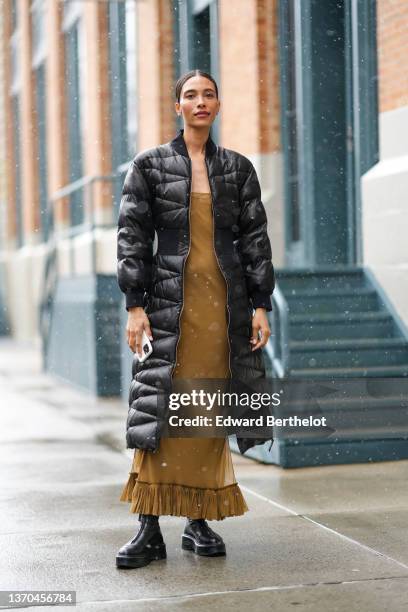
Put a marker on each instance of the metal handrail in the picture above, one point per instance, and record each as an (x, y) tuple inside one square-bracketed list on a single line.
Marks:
[(50, 275), (277, 348), (71, 231)]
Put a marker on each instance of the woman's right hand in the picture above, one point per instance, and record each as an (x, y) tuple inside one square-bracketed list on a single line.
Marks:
[(136, 323)]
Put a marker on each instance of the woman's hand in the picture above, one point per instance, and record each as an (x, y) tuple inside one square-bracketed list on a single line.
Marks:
[(136, 323), (260, 324)]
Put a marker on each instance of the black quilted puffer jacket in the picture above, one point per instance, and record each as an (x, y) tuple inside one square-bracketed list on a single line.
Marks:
[(155, 200)]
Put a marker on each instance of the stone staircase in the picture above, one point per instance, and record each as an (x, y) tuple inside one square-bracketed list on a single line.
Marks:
[(339, 326), (344, 332)]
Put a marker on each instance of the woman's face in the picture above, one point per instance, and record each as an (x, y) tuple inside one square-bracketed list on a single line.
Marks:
[(198, 102)]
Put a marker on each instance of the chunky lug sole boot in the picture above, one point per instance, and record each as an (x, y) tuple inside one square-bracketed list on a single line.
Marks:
[(148, 545), (201, 539)]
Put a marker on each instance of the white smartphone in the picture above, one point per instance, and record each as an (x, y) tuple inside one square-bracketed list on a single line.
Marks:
[(147, 348)]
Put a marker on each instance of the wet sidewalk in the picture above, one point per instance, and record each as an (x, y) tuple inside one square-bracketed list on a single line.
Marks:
[(315, 538)]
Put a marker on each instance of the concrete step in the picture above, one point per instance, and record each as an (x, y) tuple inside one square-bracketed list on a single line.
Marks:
[(321, 277), (342, 352), (381, 326), (339, 317), (333, 302), (340, 372)]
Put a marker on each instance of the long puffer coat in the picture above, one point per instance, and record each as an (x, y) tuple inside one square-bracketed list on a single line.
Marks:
[(155, 200)]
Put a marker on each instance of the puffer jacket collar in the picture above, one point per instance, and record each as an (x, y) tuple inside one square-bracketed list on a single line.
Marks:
[(179, 144)]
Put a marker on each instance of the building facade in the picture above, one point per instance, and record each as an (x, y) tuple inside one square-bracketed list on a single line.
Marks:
[(312, 92)]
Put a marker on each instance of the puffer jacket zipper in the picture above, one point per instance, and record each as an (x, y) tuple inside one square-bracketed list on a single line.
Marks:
[(182, 283), (225, 278), (184, 265)]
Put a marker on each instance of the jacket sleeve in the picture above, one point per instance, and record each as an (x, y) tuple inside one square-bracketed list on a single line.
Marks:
[(254, 244), (135, 235)]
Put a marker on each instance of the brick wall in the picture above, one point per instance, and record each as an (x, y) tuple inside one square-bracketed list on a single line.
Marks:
[(392, 30), (249, 75), (155, 79), (269, 103)]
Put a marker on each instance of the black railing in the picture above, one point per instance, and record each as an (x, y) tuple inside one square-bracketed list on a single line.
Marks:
[(277, 349), (53, 236)]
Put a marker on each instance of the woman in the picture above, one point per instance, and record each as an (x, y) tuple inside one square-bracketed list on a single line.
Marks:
[(195, 299)]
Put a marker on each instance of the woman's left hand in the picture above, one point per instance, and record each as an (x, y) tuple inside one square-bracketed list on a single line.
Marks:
[(260, 324)]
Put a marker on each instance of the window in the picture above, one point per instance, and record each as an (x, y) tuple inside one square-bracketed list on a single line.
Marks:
[(39, 41), (17, 166), (124, 80), (201, 50), (75, 79), (196, 36), (39, 32), (195, 30), (14, 16), (15, 97), (41, 144)]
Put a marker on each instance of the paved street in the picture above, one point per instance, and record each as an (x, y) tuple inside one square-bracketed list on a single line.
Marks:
[(315, 538)]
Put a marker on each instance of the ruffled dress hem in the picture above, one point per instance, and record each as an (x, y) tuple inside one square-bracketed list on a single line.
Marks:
[(180, 500)]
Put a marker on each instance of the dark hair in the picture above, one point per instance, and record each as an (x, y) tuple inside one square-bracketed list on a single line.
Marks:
[(188, 75)]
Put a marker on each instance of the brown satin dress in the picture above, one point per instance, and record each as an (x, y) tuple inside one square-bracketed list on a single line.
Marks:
[(193, 477)]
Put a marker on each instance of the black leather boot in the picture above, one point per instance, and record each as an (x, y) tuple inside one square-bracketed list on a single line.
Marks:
[(147, 545), (201, 539)]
